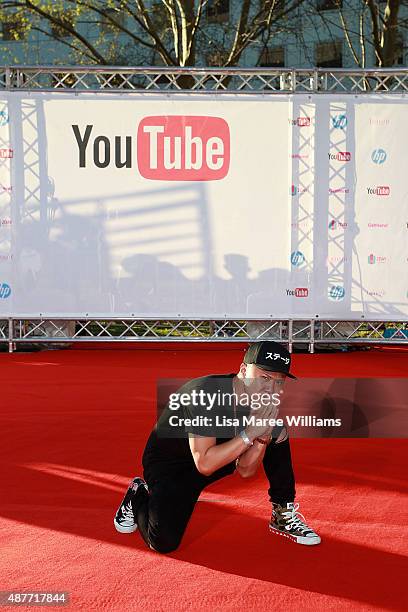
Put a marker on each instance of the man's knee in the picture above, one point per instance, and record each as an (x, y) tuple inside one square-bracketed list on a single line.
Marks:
[(164, 539), (164, 546)]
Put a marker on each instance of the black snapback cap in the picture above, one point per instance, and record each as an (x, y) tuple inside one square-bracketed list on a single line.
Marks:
[(269, 355)]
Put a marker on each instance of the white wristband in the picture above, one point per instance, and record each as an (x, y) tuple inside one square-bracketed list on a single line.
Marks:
[(244, 436)]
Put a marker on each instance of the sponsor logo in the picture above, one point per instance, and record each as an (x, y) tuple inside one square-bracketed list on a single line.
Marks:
[(336, 293), (380, 190), (375, 121), (5, 189), (378, 156), (6, 257), (376, 293), (297, 259), (299, 155), (183, 148), (169, 148), (300, 121), (5, 221), (4, 117), (296, 190), (6, 153), (339, 121), (340, 156), (376, 259), (302, 225), (300, 292), (336, 260), (378, 225), (337, 224), (5, 291), (339, 190)]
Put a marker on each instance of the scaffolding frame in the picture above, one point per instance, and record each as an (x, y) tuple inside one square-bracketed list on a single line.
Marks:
[(267, 81)]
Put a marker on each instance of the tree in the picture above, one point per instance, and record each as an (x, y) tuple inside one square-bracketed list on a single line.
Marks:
[(384, 28), (171, 30), (364, 24)]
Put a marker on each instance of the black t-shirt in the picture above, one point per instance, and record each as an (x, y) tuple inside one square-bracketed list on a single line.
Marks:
[(205, 407)]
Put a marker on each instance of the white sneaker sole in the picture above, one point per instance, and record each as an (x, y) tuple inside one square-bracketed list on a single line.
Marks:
[(123, 529), (311, 541)]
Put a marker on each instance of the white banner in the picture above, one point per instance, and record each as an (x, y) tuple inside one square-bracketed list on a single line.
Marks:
[(203, 206)]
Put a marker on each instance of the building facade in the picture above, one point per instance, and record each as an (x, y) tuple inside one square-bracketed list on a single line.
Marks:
[(312, 35)]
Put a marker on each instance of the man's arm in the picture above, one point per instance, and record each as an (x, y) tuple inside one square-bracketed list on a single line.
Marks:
[(248, 462), (210, 456)]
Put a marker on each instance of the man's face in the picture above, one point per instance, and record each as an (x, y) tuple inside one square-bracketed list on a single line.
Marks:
[(258, 380)]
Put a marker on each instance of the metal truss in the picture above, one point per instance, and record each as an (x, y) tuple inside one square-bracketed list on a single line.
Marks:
[(203, 80), (310, 333)]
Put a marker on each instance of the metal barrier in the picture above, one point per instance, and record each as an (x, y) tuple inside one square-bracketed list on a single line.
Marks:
[(204, 80), (268, 81), (310, 333)]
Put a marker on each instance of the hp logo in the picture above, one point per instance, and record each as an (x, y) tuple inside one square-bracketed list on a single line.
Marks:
[(4, 117), (378, 156), (339, 122), (336, 292), (297, 259), (5, 290)]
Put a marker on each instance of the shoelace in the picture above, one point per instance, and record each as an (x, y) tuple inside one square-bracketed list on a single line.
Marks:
[(294, 521), (127, 512)]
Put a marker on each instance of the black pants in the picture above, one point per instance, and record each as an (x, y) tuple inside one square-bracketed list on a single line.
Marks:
[(163, 513)]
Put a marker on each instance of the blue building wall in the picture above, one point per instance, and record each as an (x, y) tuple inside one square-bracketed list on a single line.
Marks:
[(296, 47)]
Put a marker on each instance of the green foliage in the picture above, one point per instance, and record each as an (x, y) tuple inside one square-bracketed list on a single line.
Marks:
[(15, 26), (161, 19)]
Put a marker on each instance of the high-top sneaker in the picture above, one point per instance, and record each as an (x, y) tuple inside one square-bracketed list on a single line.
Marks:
[(285, 521), (124, 520)]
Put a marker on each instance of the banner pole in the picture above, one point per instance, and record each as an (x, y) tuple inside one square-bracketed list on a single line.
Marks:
[(10, 335)]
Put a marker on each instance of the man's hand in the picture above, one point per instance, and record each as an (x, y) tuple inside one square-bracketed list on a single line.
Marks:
[(262, 416), (280, 436)]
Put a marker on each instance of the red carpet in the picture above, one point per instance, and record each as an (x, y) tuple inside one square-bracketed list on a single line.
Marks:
[(73, 424)]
